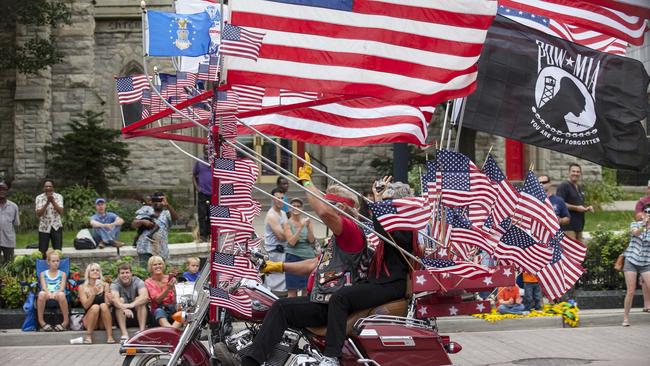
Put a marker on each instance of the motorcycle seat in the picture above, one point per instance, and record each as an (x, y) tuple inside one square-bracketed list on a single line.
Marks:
[(396, 308)]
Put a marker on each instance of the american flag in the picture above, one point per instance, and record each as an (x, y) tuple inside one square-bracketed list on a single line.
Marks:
[(130, 88), (459, 268), (235, 170), (229, 218), (237, 302), (410, 213), (240, 42), (292, 97), (229, 266), (572, 249), (228, 152), (417, 53), (250, 97), (561, 273), (185, 81), (462, 184), (235, 194), (428, 181), (371, 238), (209, 71), (535, 211), (587, 16), (507, 194), (516, 245), (463, 232), (228, 127), (226, 103), (167, 85)]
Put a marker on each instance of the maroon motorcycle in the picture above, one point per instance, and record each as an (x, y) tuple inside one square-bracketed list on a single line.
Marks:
[(389, 334)]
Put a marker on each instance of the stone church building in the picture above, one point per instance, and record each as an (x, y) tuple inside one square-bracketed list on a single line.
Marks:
[(104, 40)]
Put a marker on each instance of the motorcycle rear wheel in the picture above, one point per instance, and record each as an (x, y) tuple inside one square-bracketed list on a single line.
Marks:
[(149, 360)]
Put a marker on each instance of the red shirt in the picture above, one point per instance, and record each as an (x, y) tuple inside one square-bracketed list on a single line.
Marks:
[(155, 290), (641, 203)]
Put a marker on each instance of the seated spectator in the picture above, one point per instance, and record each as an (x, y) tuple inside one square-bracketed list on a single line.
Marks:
[(162, 293), (509, 301), (130, 297), (94, 297), (106, 226), (52, 291), (192, 273)]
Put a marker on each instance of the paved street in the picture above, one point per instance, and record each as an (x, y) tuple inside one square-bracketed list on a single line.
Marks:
[(543, 347)]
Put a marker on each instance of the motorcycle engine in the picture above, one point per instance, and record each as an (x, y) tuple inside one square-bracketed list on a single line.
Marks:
[(241, 343)]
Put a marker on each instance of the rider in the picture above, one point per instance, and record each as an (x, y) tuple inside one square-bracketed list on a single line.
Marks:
[(300, 312)]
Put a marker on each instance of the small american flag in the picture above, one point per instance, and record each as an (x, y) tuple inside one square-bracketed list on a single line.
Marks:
[(516, 245), (228, 152), (250, 97), (371, 238), (463, 232), (507, 194), (209, 71), (235, 194), (561, 273), (130, 88), (237, 302), (235, 170), (229, 218), (536, 211), (572, 248), (230, 266), (168, 87), (410, 213), (428, 181), (239, 42), (459, 268), (226, 103), (185, 81), (228, 127)]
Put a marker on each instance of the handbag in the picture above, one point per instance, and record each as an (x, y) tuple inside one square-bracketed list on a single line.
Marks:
[(618, 265)]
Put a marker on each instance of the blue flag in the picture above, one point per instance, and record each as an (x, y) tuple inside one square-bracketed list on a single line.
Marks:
[(173, 34)]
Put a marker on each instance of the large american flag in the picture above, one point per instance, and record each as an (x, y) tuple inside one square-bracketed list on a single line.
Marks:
[(418, 53), (561, 273), (459, 268), (250, 97), (507, 194), (517, 246), (130, 88), (464, 233), (230, 266), (240, 42), (235, 170), (411, 213), (586, 16), (534, 211), (229, 218), (238, 302)]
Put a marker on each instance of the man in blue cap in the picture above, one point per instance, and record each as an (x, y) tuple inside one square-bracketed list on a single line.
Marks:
[(106, 226)]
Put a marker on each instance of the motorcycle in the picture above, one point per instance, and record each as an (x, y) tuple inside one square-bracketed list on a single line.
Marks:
[(386, 335)]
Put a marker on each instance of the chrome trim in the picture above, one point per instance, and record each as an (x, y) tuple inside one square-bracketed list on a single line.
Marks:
[(145, 350), (391, 319), (362, 360)]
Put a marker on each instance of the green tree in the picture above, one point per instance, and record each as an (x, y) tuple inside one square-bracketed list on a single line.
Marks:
[(90, 155), (37, 52)]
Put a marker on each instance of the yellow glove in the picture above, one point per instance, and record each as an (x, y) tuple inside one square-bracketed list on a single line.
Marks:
[(270, 267), (304, 172)]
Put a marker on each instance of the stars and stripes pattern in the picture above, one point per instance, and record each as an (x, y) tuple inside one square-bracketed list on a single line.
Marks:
[(418, 54), (237, 302), (235, 170), (235, 194), (534, 211), (371, 238), (428, 181), (507, 195), (410, 213), (462, 232), (459, 268), (209, 71), (130, 88), (225, 104), (250, 97), (516, 245), (561, 273), (229, 218), (230, 266), (240, 42)]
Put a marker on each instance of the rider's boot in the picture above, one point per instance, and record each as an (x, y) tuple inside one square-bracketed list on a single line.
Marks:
[(329, 361)]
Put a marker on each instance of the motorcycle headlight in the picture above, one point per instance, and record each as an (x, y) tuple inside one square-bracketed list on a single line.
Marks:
[(195, 296)]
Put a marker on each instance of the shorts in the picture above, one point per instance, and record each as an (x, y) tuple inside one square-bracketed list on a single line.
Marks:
[(294, 282), (631, 267), (164, 311)]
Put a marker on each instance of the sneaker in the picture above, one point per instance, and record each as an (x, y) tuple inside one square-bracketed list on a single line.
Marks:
[(101, 245), (329, 361), (118, 244)]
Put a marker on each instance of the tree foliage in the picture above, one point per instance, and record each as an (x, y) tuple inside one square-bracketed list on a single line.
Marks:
[(90, 155), (37, 52)]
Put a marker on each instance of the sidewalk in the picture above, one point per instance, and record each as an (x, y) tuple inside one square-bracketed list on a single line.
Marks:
[(460, 324)]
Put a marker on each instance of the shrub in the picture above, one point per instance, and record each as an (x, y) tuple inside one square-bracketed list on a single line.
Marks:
[(602, 251), (599, 193)]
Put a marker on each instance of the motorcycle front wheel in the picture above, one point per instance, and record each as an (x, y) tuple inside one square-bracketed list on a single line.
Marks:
[(149, 360)]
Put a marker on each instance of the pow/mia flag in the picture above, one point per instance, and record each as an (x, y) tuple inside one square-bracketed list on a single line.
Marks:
[(555, 94)]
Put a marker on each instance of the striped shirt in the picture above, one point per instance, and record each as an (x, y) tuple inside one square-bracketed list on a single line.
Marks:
[(638, 251)]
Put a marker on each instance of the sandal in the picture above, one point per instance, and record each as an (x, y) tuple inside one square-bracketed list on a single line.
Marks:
[(47, 328), (59, 328), (626, 323), (88, 340), (124, 338), (110, 341)]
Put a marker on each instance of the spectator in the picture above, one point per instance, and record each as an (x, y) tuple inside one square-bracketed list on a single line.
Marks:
[(52, 290), (282, 184), (509, 301), (574, 197), (130, 297), (9, 219), (202, 180), (275, 240), (94, 296), (637, 260), (532, 292), (106, 226), (153, 240), (561, 211), (299, 233), (162, 293), (49, 208), (193, 265), (143, 213), (641, 203)]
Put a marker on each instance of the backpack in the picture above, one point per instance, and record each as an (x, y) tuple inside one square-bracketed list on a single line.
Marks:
[(84, 240)]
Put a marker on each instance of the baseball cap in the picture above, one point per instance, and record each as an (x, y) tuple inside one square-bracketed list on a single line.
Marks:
[(100, 200)]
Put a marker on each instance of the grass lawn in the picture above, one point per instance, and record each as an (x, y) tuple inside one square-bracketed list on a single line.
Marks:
[(608, 220), (23, 239)]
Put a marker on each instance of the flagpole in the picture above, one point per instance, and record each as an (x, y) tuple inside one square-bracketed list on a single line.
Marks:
[(444, 124), (460, 123)]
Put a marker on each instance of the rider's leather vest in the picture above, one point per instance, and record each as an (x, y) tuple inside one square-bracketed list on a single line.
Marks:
[(337, 269)]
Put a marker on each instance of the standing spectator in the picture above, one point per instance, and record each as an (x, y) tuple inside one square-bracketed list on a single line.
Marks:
[(509, 301), (9, 219), (52, 283), (106, 226), (143, 213), (202, 179), (94, 296), (637, 260), (49, 208), (282, 184), (130, 297), (574, 197), (559, 206), (153, 240), (275, 240), (162, 292), (299, 232), (640, 204)]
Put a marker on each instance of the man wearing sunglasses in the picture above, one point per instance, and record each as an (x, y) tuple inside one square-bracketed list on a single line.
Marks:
[(559, 206), (571, 191)]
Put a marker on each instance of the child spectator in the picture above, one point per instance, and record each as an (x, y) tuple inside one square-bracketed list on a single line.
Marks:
[(192, 273), (52, 290), (94, 296), (162, 293), (509, 301), (532, 292)]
